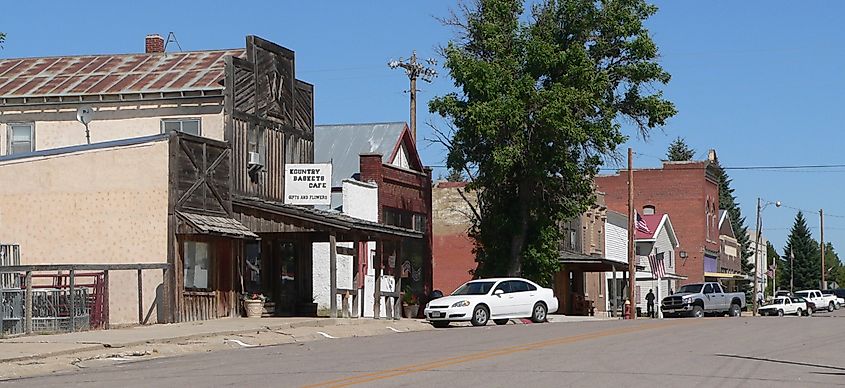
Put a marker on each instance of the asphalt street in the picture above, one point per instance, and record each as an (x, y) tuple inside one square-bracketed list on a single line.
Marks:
[(723, 352)]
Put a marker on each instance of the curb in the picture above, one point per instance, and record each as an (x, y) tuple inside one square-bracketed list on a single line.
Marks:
[(323, 322)]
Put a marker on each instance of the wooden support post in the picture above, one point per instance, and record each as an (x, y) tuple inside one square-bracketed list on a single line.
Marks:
[(28, 303), (344, 310), (397, 274), (72, 298), (615, 298), (140, 298), (377, 292), (106, 299), (333, 275), (355, 275)]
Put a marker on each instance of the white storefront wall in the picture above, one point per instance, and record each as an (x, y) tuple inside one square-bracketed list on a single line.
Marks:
[(360, 200)]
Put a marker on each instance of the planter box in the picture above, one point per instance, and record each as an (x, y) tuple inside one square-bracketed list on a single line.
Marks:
[(253, 308)]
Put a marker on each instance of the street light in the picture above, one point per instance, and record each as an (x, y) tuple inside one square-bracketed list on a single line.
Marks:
[(760, 207)]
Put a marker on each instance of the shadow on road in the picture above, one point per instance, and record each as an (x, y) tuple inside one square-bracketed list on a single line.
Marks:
[(786, 362)]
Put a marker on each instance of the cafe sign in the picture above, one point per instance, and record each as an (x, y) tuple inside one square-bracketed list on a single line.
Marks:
[(308, 184)]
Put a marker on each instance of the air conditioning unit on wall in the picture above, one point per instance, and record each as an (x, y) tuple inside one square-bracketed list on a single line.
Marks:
[(254, 161)]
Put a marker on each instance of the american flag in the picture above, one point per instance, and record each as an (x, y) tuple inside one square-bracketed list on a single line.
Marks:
[(641, 225), (771, 271), (658, 269)]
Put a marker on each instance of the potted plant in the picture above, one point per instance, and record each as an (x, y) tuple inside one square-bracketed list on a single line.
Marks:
[(254, 305), (410, 304)]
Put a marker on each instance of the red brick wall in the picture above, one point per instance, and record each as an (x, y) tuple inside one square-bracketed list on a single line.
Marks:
[(681, 190), (453, 259), (404, 190)]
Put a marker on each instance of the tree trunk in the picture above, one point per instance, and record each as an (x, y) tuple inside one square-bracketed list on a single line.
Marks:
[(518, 239)]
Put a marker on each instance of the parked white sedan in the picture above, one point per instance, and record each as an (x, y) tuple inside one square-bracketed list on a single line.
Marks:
[(784, 305), (479, 301)]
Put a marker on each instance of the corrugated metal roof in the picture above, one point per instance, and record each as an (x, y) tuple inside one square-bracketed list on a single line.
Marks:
[(113, 74), (343, 143), (217, 225)]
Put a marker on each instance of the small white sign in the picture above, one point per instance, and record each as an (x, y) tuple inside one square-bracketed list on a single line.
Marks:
[(308, 184)]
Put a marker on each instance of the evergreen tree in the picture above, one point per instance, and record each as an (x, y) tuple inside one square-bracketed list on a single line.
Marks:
[(727, 201), (772, 260), (836, 271), (679, 151), (807, 262)]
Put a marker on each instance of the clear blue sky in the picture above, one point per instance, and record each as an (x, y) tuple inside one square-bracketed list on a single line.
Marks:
[(759, 81)]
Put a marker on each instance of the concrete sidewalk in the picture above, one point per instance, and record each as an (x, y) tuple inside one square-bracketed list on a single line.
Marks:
[(42, 346)]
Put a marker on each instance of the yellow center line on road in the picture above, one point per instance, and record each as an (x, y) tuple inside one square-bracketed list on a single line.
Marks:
[(415, 368)]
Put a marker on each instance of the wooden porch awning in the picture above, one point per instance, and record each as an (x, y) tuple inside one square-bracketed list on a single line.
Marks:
[(326, 221), (225, 226), (591, 263)]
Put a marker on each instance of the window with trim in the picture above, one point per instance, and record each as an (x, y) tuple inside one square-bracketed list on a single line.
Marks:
[(21, 138), (197, 265), (191, 126)]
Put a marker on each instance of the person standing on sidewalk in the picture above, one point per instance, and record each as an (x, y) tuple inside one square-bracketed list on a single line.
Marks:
[(649, 298)]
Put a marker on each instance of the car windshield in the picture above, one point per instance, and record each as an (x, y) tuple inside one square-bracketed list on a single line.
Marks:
[(474, 288), (803, 294), (690, 288)]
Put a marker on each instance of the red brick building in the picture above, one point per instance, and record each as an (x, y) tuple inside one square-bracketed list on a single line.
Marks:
[(689, 193), (452, 249), (385, 154)]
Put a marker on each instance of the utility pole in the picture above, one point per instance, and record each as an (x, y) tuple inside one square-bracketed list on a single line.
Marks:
[(414, 70), (791, 271), (821, 227), (632, 259), (756, 256)]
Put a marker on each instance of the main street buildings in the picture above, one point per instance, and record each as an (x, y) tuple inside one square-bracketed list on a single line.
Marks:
[(185, 166)]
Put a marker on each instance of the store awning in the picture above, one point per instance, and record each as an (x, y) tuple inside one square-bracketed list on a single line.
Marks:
[(205, 224), (722, 275), (643, 275), (591, 263)]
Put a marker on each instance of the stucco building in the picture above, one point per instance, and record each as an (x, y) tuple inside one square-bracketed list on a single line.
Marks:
[(453, 259)]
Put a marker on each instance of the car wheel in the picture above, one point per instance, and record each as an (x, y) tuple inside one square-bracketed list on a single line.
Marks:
[(800, 312), (539, 313), (735, 310), (440, 324), (780, 313), (480, 316), (501, 322), (697, 312), (830, 306)]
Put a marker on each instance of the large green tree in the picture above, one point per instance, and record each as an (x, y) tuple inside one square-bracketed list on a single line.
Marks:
[(537, 110), (679, 151), (807, 262)]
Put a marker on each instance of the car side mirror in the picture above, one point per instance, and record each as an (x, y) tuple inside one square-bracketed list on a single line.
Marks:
[(498, 292)]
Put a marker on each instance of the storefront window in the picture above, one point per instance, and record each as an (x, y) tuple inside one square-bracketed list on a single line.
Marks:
[(197, 262)]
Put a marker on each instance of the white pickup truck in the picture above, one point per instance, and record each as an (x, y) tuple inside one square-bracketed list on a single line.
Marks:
[(698, 299), (822, 301)]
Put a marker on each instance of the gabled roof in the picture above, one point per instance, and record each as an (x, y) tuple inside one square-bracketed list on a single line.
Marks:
[(113, 74), (342, 144), (725, 228), (656, 223)]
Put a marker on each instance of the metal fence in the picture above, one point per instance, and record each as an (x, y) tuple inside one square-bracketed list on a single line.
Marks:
[(61, 300)]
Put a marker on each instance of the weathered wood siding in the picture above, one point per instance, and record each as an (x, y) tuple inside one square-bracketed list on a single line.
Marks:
[(267, 110)]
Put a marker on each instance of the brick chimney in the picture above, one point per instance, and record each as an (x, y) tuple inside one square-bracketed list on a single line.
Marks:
[(154, 44)]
